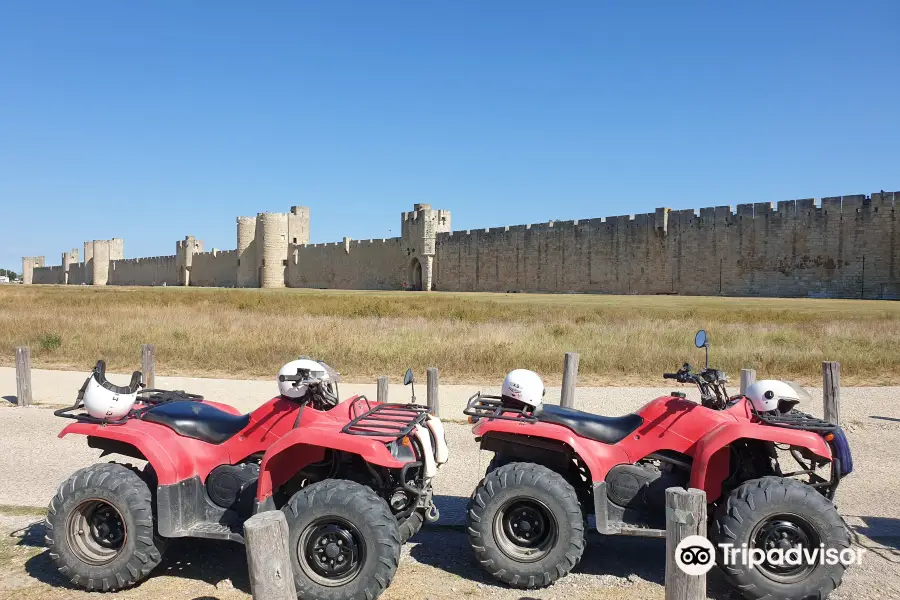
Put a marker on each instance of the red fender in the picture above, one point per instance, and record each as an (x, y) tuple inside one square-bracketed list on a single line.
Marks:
[(301, 447), (146, 444), (711, 453), (173, 457), (598, 457)]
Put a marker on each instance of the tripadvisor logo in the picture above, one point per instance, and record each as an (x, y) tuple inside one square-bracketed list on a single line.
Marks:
[(695, 555)]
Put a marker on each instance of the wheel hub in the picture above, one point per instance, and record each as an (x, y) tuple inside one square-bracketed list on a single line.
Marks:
[(331, 552), (95, 532), (785, 532), (525, 530)]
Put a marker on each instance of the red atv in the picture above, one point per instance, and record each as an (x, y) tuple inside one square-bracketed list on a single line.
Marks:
[(352, 477), (554, 466)]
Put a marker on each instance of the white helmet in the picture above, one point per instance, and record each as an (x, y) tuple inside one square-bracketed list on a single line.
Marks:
[(306, 367), (524, 386), (771, 394), (103, 400)]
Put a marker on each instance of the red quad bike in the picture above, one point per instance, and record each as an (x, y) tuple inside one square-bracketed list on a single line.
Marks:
[(353, 479), (555, 466)]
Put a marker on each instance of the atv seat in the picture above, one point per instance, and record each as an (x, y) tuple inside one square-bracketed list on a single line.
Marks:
[(609, 430), (197, 420)]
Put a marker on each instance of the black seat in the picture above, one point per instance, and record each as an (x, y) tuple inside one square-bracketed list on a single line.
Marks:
[(609, 430), (197, 420)]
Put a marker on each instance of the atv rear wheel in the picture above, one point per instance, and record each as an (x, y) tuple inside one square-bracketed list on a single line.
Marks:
[(100, 528), (773, 512), (525, 525), (344, 541)]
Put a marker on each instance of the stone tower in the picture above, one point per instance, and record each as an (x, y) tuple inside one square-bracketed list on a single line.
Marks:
[(184, 257), (29, 263), (419, 229), (262, 245)]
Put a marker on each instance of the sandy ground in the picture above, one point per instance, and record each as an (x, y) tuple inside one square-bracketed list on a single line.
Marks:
[(438, 563)]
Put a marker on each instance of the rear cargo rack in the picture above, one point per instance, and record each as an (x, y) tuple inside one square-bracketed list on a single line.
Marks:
[(146, 399), (797, 420), (387, 420), (484, 406)]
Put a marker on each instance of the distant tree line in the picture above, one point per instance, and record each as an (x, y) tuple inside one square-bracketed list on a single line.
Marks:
[(11, 274)]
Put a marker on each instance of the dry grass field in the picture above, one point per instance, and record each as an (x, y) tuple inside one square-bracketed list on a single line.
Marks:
[(471, 337)]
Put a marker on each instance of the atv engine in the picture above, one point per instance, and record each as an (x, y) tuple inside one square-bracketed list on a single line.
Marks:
[(233, 486), (638, 492)]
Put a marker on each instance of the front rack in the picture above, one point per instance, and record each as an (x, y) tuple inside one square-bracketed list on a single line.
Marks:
[(796, 419), (484, 406), (148, 398), (387, 420)]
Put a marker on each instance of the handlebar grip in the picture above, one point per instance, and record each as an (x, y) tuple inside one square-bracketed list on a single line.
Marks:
[(290, 378), (670, 375)]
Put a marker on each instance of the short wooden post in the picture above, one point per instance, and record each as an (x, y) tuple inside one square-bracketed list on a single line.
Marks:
[(748, 378), (382, 394), (23, 376), (685, 516), (268, 557), (831, 391), (432, 396), (147, 365), (570, 379)]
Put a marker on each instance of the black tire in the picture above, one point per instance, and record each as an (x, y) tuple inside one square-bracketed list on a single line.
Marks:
[(339, 510), (411, 525), (498, 461), (514, 502), (100, 528), (790, 509)]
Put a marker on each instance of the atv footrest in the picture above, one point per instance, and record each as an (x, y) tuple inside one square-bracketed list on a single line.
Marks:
[(611, 526), (216, 531)]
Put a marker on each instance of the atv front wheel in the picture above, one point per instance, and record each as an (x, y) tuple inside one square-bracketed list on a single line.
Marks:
[(100, 528), (344, 541), (772, 512), (525, 525)]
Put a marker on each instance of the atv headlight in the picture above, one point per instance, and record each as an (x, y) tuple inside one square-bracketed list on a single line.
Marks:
[(402, 449)]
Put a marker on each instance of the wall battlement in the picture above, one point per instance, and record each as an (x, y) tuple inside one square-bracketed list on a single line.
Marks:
[(839, 246)]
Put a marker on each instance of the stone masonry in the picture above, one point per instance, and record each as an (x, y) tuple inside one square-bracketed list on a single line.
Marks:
[(841, 246)]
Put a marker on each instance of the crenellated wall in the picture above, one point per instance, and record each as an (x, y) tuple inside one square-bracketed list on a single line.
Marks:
[(214, 269), (845, 246), (155, 270), (351, 264)]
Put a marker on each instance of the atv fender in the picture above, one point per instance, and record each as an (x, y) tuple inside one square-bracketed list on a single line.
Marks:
[(302, 447), (712, 454), (598, 457), (145, 444)]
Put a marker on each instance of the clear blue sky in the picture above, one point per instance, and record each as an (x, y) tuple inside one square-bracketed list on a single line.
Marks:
[(153, 120)]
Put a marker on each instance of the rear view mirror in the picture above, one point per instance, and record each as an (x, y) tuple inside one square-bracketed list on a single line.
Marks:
[(408, 378), (701, 340)]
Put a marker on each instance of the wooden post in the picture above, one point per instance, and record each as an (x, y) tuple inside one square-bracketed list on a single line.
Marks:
[(748, 378), (147, 365), (23, 376), (382, 389), (268, 557), (570, 378), (432, 396), (831, 391), (685, 516)]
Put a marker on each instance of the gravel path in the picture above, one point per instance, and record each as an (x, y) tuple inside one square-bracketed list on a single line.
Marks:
[(439, 563)]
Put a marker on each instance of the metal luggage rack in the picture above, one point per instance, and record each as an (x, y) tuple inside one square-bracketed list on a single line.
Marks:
[(385, 420), (796, 419), (149, 398), (484, 406)]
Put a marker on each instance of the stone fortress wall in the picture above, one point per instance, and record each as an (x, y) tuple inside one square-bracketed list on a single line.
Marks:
[(842, 246)]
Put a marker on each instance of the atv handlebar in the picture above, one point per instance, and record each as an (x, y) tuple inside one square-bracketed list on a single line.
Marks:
[(670, 375)]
